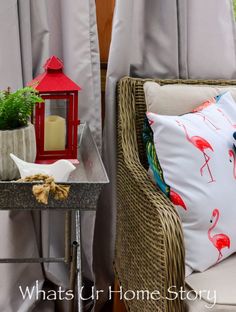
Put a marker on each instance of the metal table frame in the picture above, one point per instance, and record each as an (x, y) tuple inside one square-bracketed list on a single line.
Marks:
[(85, 183)]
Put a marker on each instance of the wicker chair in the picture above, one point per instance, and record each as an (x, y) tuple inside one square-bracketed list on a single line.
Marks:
[(149, 243)]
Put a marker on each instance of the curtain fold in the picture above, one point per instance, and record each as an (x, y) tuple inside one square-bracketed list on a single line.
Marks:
[(206, 39), (164, 39), (11, 65), (17, 227), (31, 31)]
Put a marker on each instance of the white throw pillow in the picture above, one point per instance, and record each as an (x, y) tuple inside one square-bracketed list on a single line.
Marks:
[(196, 154)]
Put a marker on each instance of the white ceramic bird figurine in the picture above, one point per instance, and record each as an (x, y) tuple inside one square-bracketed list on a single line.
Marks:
[(60, 169)]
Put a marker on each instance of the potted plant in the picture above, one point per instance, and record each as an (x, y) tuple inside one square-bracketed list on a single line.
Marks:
[(17, 134)]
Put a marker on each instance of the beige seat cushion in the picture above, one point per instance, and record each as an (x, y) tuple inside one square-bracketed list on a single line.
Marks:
[(199, 305), (219, 280), (179, 99)]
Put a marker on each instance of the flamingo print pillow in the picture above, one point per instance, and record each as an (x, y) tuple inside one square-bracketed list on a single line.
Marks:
[(196, 154)]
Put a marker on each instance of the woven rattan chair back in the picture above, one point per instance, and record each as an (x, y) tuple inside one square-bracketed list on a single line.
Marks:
[(136, 95), (149, 252)]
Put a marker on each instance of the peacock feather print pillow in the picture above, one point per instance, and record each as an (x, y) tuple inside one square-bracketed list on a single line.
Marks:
[(152, 158)]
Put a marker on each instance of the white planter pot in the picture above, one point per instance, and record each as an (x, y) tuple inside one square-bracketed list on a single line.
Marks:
[(20, 142)]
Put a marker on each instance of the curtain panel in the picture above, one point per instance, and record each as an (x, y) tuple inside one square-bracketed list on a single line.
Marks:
[(30, 32), (162, 39)]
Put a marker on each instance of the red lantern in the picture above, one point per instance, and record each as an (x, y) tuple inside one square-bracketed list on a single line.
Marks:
[(56, 119)]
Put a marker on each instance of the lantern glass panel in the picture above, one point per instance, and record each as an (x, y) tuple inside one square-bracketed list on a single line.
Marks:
[(56, 124)]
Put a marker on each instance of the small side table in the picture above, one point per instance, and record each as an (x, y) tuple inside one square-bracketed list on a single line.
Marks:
[(86, 183)]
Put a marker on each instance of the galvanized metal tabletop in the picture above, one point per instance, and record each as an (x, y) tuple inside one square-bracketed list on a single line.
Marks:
[(85, 182)]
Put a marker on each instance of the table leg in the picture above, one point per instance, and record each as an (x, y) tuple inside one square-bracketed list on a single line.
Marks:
[(68, 236), (79, 260), (73, 274)]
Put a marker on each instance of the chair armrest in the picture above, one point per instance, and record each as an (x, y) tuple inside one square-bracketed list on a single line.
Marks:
[(149, 243)]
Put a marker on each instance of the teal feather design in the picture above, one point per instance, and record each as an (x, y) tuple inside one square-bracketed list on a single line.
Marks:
[(153, 159), (217, 97)]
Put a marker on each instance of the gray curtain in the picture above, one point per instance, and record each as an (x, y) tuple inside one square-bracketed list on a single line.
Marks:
[(165, 39), (31, 31)]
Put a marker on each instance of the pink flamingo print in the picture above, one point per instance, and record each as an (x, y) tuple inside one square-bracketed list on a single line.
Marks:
[(201, 144), (151, 122), (204, 105), (220, 241), (177, 200), (207, 120), (227, 118), (232, 156)]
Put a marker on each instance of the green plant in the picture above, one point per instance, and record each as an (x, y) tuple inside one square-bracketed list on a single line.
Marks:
[(234, 5), (16, 108)]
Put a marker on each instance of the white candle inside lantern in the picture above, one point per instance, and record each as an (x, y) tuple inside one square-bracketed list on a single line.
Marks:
[(55, 133)]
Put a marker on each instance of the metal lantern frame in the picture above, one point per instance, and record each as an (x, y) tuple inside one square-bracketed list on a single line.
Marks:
[(53, 84)]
